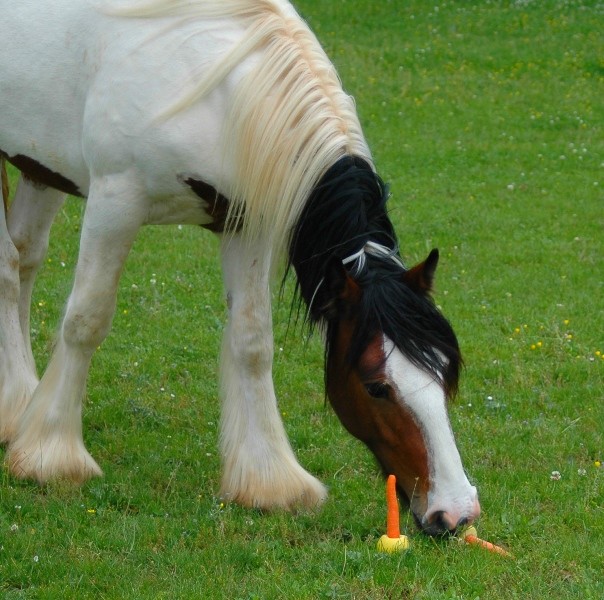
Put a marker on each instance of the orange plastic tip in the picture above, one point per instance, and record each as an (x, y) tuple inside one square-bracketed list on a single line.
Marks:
[(473, 539)]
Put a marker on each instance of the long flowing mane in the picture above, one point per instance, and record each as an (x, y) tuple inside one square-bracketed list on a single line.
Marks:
[(289, 120)]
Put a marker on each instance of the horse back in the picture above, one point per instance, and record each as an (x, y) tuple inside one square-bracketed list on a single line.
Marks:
[(85, 92)]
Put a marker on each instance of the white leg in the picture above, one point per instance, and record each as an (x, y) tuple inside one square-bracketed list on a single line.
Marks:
[(260, 468), (48, 443), (17, 378), (29, 220)]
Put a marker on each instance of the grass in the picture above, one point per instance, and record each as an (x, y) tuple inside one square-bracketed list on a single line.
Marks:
[(487, 120)]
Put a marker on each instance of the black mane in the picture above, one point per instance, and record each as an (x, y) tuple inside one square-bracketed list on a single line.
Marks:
[(346, 210)]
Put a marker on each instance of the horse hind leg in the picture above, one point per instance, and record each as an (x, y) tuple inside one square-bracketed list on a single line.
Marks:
[(48, 443), (31, 215), (259, 466), (17, 374), (13, 394)]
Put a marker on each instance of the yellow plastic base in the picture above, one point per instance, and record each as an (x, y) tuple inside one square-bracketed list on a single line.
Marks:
[(391, 545), (469, 531)]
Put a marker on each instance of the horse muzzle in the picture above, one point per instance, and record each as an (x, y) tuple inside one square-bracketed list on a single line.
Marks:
[(448, 517)]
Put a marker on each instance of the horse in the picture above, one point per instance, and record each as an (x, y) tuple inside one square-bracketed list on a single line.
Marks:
[(225, 114)]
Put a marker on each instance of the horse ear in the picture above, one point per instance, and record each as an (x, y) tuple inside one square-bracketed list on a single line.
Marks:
[(338, 292), (421, 277)]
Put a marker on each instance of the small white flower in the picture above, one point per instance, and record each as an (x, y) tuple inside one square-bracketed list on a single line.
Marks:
[(14, 527), (555, 476), (36, 558), (582, 472)]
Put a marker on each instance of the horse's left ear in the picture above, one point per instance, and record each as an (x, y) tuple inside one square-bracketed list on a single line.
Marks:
[(421, 276)]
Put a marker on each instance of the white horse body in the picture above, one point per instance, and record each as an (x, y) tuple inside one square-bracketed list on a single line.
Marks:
[(112, 80), (127, 107)]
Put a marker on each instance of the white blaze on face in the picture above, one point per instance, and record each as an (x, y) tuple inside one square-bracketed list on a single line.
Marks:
[(451, 498)]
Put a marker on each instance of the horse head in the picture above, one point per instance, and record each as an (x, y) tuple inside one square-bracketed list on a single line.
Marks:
[(392, 360)]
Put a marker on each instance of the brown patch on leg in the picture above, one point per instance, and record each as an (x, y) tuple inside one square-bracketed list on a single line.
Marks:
[(5, 187)]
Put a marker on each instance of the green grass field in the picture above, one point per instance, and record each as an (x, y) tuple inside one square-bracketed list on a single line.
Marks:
[(487, 119)]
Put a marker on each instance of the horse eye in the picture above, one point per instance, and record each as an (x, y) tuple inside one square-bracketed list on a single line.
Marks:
[(377, 390)]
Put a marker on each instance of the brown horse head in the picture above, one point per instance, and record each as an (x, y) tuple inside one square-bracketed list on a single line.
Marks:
[(394, 400), (392, 360)]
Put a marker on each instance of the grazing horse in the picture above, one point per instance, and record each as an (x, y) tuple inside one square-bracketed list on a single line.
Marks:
[(225, 114)]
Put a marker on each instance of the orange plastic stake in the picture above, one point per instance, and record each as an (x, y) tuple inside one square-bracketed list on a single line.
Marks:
[(392, 540), (392, 517)]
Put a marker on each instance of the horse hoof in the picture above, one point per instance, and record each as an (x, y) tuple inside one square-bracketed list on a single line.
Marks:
[(52, 459), (291, 491)]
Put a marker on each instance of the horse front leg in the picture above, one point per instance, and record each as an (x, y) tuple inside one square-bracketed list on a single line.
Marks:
[(48, 443), (259, 466)]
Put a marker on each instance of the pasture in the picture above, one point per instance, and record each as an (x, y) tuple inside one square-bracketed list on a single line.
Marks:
[(487, 120)]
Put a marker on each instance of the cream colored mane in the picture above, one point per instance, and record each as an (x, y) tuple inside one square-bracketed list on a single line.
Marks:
[(289, 120)]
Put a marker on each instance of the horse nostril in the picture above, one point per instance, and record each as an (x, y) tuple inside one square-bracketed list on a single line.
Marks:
[(438, 522)]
